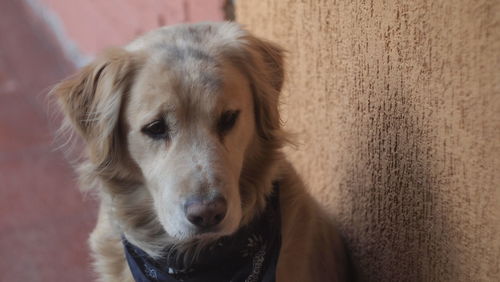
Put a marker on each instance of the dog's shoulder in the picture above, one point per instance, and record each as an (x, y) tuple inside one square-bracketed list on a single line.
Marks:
[(107, 250), (312, 248)]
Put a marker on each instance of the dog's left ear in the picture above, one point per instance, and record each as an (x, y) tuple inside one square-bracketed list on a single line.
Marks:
[(266, 73), (91, 101)]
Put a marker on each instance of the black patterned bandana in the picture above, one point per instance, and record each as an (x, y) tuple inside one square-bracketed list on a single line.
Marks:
[(249, 255)]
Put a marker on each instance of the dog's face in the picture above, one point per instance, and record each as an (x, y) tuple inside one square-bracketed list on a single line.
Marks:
[(181, 127), (190, 123)]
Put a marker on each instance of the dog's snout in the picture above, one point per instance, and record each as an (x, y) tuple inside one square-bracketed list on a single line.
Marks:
[(205, 213)]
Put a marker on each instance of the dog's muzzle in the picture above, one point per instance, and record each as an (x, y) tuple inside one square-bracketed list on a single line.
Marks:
[(205, 213)]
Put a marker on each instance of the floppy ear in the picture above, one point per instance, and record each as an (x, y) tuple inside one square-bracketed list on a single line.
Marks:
[(91, 101), (262, 62), (267, 76)]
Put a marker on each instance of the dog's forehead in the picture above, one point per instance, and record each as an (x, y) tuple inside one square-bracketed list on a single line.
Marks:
[(183, 73), (187, 82), (187, 68)]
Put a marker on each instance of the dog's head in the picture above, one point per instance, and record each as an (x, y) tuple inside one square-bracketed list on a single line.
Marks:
[(182, 127)]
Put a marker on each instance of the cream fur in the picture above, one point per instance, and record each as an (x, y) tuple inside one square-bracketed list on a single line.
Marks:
[(188, 75)]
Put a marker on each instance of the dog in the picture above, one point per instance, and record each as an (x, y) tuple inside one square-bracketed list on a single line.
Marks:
[(183, 146)]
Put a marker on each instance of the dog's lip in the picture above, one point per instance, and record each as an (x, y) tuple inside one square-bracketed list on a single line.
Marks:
[(207, 231), (211, 233)]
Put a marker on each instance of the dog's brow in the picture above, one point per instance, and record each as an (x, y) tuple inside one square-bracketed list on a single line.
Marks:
[(199, 54), (211, 82), (180, 54)]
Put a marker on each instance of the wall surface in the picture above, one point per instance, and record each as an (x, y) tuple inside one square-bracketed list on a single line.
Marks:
[(44, 219), (397, 105), (92, 25)]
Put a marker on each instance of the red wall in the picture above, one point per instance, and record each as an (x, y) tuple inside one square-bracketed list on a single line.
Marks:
[(93, 25)]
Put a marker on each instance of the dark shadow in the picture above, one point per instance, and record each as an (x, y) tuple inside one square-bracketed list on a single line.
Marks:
[(395, 229)]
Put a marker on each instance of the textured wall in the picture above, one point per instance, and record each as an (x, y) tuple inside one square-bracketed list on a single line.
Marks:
[(397, 105)]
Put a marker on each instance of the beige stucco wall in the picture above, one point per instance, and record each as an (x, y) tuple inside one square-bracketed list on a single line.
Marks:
[(397, 107)]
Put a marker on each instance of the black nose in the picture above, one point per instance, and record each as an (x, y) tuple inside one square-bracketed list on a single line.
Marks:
[(205, 214)]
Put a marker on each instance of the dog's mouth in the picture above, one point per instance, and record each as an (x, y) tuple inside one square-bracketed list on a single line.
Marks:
[(214, 232), (208, 232), (190, 233)]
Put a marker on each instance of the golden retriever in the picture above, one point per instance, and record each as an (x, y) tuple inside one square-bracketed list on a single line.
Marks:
[(183, 145)]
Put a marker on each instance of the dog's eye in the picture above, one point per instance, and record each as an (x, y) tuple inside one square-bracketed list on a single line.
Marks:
[(227, 121), (156, 129)]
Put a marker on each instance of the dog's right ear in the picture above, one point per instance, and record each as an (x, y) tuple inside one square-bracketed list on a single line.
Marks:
[(91, 101), (264, 66)]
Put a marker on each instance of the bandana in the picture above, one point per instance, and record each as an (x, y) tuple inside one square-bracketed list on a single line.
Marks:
[(249, 255)]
